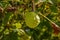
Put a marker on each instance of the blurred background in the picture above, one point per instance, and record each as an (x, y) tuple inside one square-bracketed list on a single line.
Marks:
[(15, 25)]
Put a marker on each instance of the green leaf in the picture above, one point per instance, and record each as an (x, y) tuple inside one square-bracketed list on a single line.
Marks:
[(54, 2), (7, 17), (18, 25), (53, 8)]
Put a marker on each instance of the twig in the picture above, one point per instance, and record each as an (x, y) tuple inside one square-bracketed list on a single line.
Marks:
[(45, 17), (55, 26), (33, 5)]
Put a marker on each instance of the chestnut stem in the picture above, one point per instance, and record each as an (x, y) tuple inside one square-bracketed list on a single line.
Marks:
[(33, 5)]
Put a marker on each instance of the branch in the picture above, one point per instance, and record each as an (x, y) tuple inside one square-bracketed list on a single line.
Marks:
[(33, 5), (54, 26), (45, 17)]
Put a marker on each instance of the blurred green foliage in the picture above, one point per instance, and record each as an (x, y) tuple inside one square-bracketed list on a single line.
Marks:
[(12, 19)]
